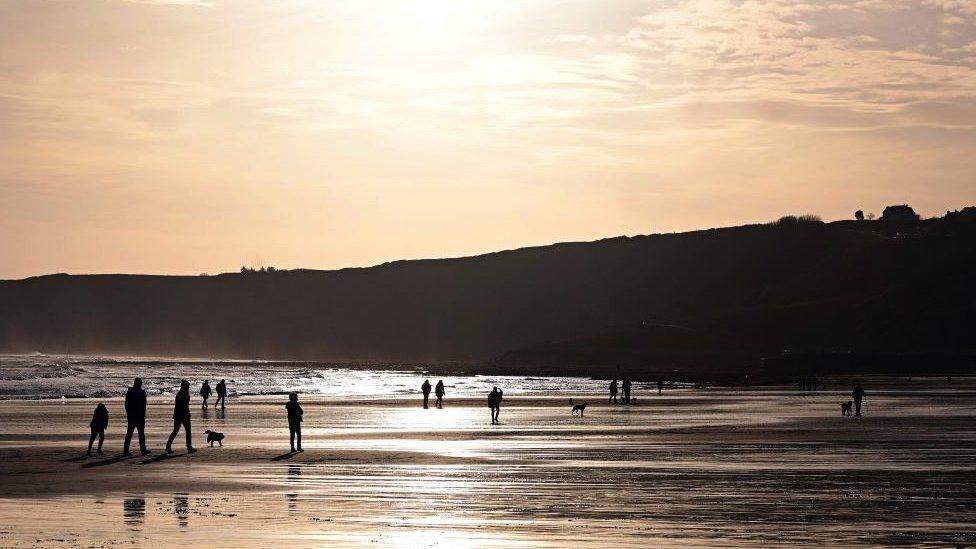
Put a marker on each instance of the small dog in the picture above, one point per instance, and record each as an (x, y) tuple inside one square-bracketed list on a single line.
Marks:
[(578, 407), (214, 437), (846, 408)]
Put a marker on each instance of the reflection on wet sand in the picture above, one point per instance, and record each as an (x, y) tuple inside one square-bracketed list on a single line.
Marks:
[(294, 477), (134, 510), (181, 509)]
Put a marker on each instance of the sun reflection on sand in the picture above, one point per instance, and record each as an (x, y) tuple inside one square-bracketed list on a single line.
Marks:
[(723, 467)]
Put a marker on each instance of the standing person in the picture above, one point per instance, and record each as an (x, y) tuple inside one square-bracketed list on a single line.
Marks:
[(858, 395), (135, 415), (295, 413), (221, 394), (205, 391), (425, 388), (627, 391), (439, 393), (181, 418), (613, 392), (98, 424), (495, 404), (660, 386)]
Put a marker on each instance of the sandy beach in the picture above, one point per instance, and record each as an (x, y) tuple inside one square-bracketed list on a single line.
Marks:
[(703, 467)]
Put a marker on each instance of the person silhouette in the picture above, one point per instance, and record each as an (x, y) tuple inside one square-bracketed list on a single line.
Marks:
[(205, 391), (295, 413), (181, 418), (858, 395), (626, 385), (221, 394), (613, 392), (439, 393), (98, 424), (660, 386), (495, 404), (425, 388), (135, 415)]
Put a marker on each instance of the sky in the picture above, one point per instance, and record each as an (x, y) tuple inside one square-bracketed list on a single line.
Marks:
[(197, 136)]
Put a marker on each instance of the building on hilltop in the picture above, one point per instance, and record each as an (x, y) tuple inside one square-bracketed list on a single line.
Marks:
[(899, 213)]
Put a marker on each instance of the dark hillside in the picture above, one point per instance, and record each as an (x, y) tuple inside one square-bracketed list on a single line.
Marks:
[(742, 292)]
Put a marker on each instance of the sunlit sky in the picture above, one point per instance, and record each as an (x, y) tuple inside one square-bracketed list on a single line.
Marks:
[(198, 136)]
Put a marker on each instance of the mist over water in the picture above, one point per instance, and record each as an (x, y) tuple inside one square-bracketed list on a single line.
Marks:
[(50, 376)]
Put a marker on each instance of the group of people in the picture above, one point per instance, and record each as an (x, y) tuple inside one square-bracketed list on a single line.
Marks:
[(438, 392), (614, 389), (205, 393), (135, 412), (494, 398), (626, 386), (809, 384)]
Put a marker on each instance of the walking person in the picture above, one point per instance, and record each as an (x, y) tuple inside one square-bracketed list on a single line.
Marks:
[(660, 386), (205, 392), (439, 393), (425, 388), (627, 391), (98, 424), (858, 395), (221, 394), (135, 416), (295, 413), (181, 418), (495, 404), (613, 392)]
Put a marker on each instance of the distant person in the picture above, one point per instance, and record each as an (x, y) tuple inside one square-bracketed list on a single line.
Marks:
[(425, 388), (626, 385), (439, 393), (98, 424), (181, 418), (613, 392), (221, 394), (858, 395), (660, 386), (135, 416), (205, 391), (495, 404), (294, 421)]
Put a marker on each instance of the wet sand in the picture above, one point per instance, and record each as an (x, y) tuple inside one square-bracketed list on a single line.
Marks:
[(715, 467)]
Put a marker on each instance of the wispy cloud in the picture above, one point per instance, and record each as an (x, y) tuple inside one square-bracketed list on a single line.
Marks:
[(720, 109)]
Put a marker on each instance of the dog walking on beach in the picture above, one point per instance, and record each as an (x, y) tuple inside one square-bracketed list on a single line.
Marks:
[(578, 407), (846, 408), (213, 436)]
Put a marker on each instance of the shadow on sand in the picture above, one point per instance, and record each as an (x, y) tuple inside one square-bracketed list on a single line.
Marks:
[(162, 457), (75, 459), (109, 461), (284, 456)]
